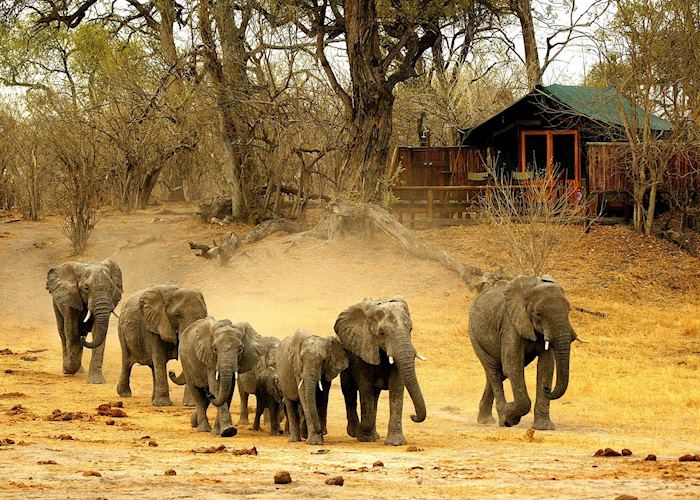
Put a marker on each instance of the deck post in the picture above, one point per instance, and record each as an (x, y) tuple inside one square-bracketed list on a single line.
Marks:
[(430, 203)]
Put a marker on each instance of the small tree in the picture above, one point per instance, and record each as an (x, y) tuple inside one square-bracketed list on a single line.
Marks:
[(530, 220), (75, 151)]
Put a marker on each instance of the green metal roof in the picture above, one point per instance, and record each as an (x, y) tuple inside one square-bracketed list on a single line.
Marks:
[(602, 104)]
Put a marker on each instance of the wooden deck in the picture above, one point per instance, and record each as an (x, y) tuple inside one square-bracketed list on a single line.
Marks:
[(437, 200)]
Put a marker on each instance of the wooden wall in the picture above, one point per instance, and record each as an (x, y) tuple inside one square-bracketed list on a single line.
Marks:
[(606, 168), (438, 166)]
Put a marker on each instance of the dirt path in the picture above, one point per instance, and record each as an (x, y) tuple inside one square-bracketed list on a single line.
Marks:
[(637, 386)]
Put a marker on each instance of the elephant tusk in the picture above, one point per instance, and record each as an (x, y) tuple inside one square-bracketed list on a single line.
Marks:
[(87, 316), (546, 345), (217, 375), (320, 386), (391, 360), (422, 358), (235, 376), (300, 382)]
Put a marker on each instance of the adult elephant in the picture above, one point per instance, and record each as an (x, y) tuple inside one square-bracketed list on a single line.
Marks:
[(84, 295), (377, 334), (510, 324), (149, 325), (212, 354), (306, 366)]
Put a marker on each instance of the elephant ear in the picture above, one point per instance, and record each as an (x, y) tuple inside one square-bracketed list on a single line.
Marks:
[(516, 309), (62, 284), (357, 328), (252, 347), (116, 274), (337, 359), (155, 316), (202, 343)]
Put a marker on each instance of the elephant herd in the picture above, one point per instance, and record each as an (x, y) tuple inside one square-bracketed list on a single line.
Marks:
[(511, 322)]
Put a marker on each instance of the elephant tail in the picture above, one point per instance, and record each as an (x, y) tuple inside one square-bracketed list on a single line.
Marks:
[(178, 379)]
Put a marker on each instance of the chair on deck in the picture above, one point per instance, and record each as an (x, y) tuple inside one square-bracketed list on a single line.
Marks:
[(523, 176), (477, 176)]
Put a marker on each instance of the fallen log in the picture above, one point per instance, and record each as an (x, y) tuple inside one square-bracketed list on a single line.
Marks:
[(231, 245), (343, 218)]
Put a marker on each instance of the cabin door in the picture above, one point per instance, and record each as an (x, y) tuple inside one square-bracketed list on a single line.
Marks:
[(552, 154)]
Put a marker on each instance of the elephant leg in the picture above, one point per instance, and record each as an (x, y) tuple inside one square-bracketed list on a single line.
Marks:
[(201, 402), (367, 429), (486, 406), (494, 378), (545, 372), (161, 393), (292, 420), (273, 409), (123, 387), (188, 398), (394, 436), (243, 418), (95, 375), (303, 430), (521, 404), (259, 410), (322, 405), (377, 393), (349, 389), (265, 419)]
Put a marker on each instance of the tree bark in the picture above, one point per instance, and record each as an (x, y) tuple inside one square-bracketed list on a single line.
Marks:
[(523, 11)]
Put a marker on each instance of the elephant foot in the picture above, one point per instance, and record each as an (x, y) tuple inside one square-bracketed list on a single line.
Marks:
[(367, 438), (255, 428), (294, 438), (229, 432), (193, 419), (124, 391), (395, 439), (543, 424), (512, 417), (204, 427), (188, 402), (243, 421), (324, 431), (352, 430), (96, 378), (162, 401), (485, 419), (314, 439), (80, 370)]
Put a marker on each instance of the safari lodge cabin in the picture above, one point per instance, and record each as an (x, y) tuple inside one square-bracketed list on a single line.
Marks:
[(572, 135)]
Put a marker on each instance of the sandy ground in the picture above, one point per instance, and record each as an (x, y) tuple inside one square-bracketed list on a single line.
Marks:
[(636, 386)]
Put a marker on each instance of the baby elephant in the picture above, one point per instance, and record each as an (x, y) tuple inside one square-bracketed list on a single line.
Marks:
[(306, 365), (263, 382), (212, 354)]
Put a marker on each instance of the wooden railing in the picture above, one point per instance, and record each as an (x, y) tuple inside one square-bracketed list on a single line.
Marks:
[(429, 205)]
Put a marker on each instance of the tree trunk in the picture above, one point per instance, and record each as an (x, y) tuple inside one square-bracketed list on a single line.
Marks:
[(523, 11), (369, 143), (372, 100), (651, 208)]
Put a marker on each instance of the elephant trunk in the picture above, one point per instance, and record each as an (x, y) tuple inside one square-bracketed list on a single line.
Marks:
[(227, 367), (102, 308), (177, 379), (406, 362), (311, 379), (562, 351)]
